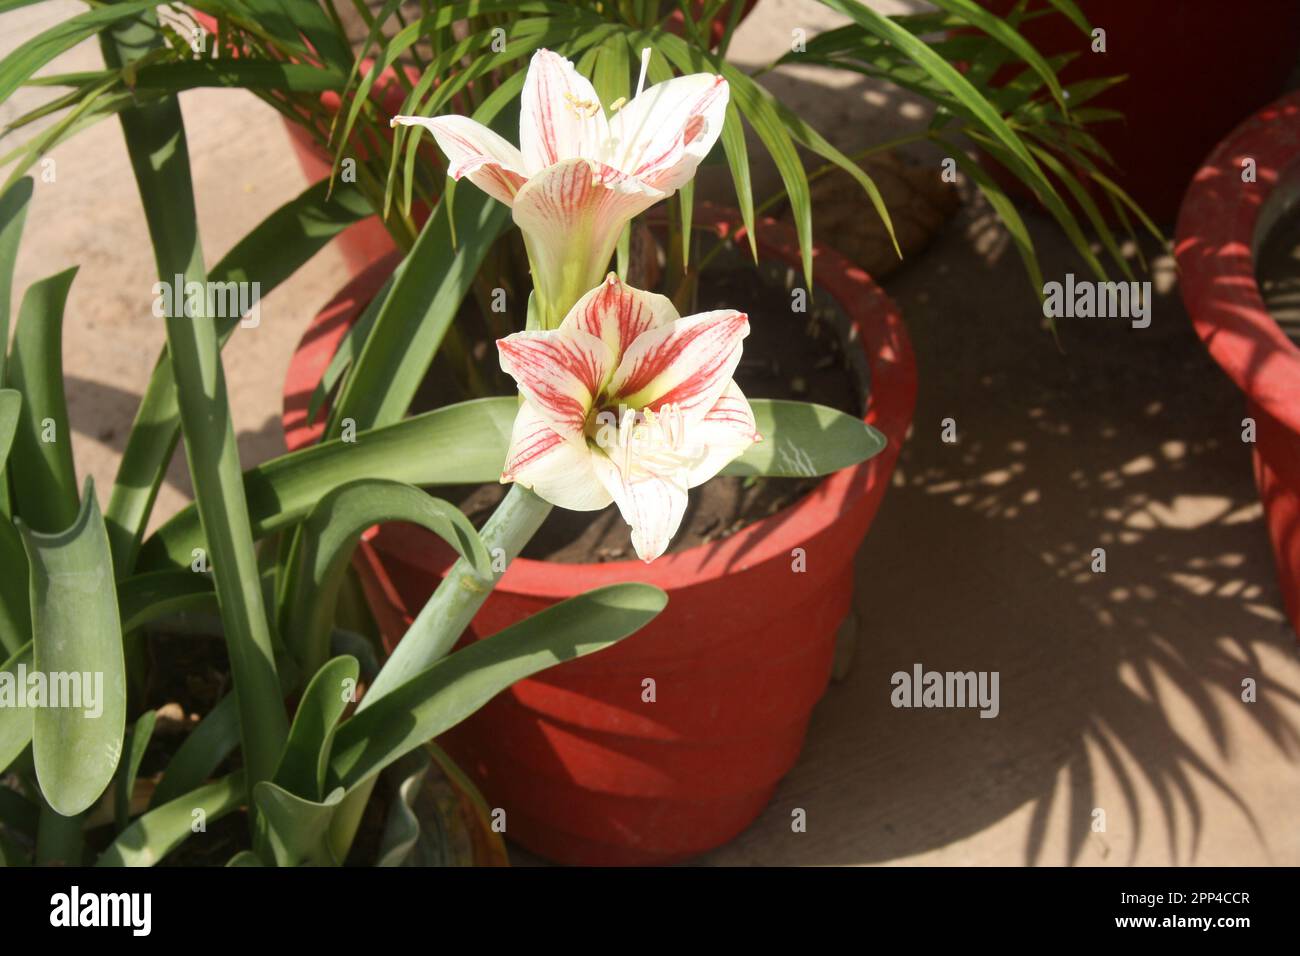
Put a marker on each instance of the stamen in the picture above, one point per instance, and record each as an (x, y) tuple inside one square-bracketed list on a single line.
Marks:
[(645, 65)]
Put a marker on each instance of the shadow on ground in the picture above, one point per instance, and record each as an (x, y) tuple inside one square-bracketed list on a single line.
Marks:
[(982, 559)]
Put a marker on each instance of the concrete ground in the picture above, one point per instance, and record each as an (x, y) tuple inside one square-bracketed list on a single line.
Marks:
[(1120, 692)]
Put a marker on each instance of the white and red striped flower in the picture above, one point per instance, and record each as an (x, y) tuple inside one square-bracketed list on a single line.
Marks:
[(578, 176), (627, 402)]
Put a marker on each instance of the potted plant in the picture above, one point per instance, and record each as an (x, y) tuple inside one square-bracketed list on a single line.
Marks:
[(574, 189), (590, 769), (293, 751), (1243, 193)]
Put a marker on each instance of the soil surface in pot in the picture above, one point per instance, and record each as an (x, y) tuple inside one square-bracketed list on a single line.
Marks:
[(1278, 273), (788, 355)]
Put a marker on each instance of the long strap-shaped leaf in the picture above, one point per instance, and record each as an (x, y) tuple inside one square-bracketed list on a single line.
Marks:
[(268, 255), (306, 754), (77, 651), (419, 309), (41, 464), (330, 534), (161, 830), (466, 443), (15, 722), (13, 212), (452, 689), (155, 137)]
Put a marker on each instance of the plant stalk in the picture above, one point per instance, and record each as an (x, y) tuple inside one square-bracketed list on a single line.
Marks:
[(462, 592)]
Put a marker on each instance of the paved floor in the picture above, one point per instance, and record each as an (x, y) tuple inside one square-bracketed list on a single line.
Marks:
[(1120, 692)]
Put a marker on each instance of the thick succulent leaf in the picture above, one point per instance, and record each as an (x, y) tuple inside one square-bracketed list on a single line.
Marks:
[(298, 828), (13, 212), (40, 462), (163, 829), (77, 637), (15, 606), (155, 139), (331, 533), (15, 722), (146, 598), (438, 698), (306, 752), (466, 444), (211, 742), (139, 742)]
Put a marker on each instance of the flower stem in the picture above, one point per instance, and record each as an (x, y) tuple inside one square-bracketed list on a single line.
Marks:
[(462, 592)]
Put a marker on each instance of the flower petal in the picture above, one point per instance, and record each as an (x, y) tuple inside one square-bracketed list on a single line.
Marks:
[(726, 430), (687, 364), (557, 469), (619, 314), (571, 215), (663, 134), (560, 116), (491, 162), (652, 504), (560, 372)]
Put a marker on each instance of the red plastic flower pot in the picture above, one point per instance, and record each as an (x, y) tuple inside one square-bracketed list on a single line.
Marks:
[(586, 770), (1194, 70), (1222, 223)]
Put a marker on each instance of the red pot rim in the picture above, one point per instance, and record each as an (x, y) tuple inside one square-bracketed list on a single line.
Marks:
[(875, 321), (1214, 245)]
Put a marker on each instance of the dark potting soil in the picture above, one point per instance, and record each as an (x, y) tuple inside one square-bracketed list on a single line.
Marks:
[(788, 355), (1277, 270)]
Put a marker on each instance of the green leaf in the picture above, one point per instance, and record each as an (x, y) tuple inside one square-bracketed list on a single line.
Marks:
[(464, 444), (11, 403), (944, 74), (245, 858), (30, 56), (155, 138), (140, 735), (161, 830), (306, 753), (1007, 212), (146, 598), (76, 633), (331, 533), (349, 348), (17, 812), (452, 445), (446, 693), (801, 440), (239, 73), (15, 722), (211, 742), (43, 472), (268, 255), (418, 310), (15, 609), (299, 829), (13, 212)]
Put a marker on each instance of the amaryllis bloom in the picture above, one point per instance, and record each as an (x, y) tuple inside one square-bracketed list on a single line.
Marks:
[(578, 176), (627, 402)]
